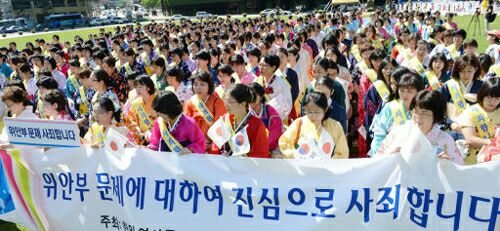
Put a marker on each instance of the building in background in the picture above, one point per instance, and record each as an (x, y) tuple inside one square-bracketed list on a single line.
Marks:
[(38, 10)]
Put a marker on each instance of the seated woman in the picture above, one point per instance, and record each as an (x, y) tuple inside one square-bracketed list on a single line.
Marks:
[(396, 112), (54, 106), (315, 135), (268, 115), (100, 82), (462, 89), (16, 101), (225, 74), (205, 107), (176, 84), (478, 122), (325, 85), (428, 109), (239, 117), (173, 131), (104, 117), (141, 115)]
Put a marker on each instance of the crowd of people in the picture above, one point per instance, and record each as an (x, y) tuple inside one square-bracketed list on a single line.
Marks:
[(331, 85)]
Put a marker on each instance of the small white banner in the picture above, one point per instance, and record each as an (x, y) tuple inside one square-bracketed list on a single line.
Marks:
[(47, 133)]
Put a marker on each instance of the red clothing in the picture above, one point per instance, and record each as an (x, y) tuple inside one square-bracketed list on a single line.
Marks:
[(257, 135), (214, 104), (64, 69), (364, 85)]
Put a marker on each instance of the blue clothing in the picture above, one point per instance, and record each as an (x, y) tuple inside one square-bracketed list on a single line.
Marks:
[(5, 70), (337, 112), (293, 79), (382, 124)]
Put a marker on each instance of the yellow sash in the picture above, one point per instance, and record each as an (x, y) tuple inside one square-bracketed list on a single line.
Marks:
[(202, 109), (371, 74), (74, 82), (355, 53), (171, 142), (398, 112), (453, 52), (147, 62), (128, 69), (482, 121), (98, 133), (433, 80), (220, 91), (363, 66), (417, 66), (382, 90), (456, 95), (84, 107), (145, 122)]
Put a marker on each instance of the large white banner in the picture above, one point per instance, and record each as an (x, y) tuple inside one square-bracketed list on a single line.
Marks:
[(85, 189)]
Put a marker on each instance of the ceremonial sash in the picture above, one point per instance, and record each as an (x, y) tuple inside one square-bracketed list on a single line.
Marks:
[(169, 139), (202, 109), (74, 82), (84, 107), (141, 113), (417, 66), (382, 90), (220, 91), (98, 133), (433, 80), (39, 106), (398, 112), (483, 124), (355, 53), (371, 74), (147, 61), (128, 69), (456, 95), (452, 52)]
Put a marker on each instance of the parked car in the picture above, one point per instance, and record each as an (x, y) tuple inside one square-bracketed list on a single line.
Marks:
[(268, 12), (177, 17), (117, 20), (99, 22), (13, 29), (202, 14)]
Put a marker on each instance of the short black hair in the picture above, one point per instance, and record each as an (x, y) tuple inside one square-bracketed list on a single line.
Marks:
[(203, 55), (433, 101), (490, 87), (55, 96), (410, 79), (237, 59), (47, 83), (52, 62), (460, 32), (241, 93), (320, 100), (175, 72), (159, 61), (272, 60), (258, 90), (166, 102), (255, 52), (461, 63), (205, 77), (146, 81)]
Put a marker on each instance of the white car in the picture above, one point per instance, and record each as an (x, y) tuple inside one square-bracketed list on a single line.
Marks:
[(268, 12), (117, 20), (99, 22), (177, 17), (202, 14)]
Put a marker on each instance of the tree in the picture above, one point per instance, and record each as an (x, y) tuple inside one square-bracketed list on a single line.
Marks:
[(150, 3)]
